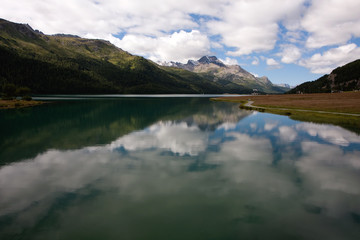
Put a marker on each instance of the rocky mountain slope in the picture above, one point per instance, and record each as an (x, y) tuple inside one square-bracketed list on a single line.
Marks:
[(67, 64), (70, 64), (345, 78), (213, 69)]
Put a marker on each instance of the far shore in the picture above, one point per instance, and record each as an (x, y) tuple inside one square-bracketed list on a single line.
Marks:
[(341, 109), (11, 104), (346, 102)]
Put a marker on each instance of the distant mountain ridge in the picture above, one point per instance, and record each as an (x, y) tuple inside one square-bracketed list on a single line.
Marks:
[(215, 70), (285, 85), (68, 64), (345, 78)]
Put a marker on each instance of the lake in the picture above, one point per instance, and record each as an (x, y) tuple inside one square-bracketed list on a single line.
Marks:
[(174, 168)]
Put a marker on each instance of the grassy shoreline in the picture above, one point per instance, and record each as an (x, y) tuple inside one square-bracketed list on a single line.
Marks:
[(304, 107), (11, 104)]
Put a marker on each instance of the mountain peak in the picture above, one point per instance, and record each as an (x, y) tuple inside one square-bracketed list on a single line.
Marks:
[(229, 76), (18, 28), (208, 59), (211, 59), (193, 63)]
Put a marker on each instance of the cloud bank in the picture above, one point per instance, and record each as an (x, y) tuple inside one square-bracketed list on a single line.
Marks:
[(311, 33)]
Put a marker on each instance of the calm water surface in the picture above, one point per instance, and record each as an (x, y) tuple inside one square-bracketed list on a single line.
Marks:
[(174, 168)]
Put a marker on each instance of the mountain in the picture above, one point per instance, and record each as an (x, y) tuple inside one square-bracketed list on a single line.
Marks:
[(345, 78), (229, 76), (210, 60), (284, 85), (68, 64)]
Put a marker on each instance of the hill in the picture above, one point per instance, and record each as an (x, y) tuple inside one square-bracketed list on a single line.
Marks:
[(69, 64), (345, 78), (229, 76)]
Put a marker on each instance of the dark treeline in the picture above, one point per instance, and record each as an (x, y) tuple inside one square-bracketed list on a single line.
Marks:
[(345, 78)]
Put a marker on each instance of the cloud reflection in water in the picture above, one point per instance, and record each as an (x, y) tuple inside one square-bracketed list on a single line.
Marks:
[(179, 138), (150, 167)]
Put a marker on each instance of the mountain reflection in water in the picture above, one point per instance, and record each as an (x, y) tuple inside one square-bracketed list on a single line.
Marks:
[(175, 169)]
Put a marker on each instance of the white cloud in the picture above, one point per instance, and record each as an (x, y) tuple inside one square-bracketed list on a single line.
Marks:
[(180, 46), (106, 16), (326, 62), (217, 45), (249, 26), (63, 16), (153, 29), (331, 22), (248, 39), (230, 61), (272, 63), (255, 61), (290, 54), (171, 30), (294, 36)]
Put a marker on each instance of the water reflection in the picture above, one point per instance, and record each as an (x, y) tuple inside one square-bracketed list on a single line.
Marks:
[(73, 125), (214, 172), (179, 138)]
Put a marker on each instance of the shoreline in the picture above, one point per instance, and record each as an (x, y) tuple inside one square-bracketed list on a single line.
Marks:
[(342, 109), (339, 103), (16, 104)]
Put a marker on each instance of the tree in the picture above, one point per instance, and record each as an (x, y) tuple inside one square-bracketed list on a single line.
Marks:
[(24, 93), (9, 90)]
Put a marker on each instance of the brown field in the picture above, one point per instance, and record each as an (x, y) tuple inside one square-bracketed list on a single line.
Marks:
[(346, 102), (290, 104), (8, 104)]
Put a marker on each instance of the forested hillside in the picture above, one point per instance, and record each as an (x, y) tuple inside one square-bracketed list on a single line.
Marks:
[(345, 78), (70, 64)]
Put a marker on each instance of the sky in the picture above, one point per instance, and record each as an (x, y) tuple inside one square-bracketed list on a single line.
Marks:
[(289, 41)]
